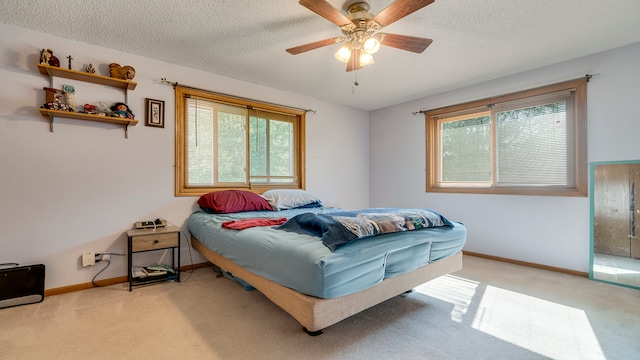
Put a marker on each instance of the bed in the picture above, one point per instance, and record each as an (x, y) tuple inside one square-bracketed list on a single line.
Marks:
[(316, 281)]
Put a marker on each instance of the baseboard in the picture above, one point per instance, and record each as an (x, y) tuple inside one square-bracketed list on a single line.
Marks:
[(529, 264), (107, 282)]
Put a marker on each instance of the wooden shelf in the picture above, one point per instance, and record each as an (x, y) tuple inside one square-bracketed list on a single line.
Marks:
[(89, 117), (83, 116), (85, 76), (54, 71)]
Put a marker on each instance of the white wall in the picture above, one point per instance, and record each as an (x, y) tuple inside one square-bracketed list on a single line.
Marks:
[(81, 187), (546, 230)]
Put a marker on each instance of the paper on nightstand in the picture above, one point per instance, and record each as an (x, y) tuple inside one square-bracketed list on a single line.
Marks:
[(138, 272)]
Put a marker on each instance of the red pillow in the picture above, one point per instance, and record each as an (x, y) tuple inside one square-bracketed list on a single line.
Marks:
[(230, 201)]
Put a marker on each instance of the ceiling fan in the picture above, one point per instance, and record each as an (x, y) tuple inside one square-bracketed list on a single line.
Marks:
[(361, 30)]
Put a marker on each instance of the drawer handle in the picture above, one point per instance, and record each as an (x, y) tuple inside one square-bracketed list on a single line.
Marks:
[(156, 241)]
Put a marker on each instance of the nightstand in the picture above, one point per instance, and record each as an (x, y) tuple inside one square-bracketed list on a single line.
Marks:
[(140, 240)]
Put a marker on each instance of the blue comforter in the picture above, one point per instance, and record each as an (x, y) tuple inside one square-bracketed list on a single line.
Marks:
[(339, 228)]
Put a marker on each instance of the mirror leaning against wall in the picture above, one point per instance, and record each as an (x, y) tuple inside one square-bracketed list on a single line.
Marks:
[(615, 213)]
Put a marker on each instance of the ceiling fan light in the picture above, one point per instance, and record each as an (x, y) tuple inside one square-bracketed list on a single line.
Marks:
[(371, 45), (343, 54), (366, 59)]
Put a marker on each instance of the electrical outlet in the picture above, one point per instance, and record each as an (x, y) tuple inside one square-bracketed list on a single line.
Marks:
[(88, 259)]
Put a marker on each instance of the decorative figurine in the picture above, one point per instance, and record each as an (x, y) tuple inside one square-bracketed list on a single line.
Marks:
[(90, 69), (70, 58), (90, 109), (122, 72), (70, 96), (131, 72), (53, 61), (44, 56), (121, 110)]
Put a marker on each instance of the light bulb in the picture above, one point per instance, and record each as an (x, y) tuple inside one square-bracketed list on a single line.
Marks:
[(343, 54), (366, 59), (371, 45)]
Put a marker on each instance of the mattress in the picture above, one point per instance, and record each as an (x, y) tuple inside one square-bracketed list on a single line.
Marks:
[(302, 263)]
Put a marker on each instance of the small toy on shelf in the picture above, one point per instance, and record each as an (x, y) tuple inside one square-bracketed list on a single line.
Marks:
[(90, 109), (90, 69), (55, 100), (121, 110), (122, 72), (56, 106)]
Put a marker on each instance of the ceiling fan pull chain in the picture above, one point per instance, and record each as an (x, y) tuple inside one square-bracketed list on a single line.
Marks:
[(355, 83)]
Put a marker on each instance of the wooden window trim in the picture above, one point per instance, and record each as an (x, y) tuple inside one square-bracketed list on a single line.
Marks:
[(579, 134), (181, 188)]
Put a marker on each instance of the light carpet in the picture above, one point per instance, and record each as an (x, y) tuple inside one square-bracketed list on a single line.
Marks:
[(488, 310)]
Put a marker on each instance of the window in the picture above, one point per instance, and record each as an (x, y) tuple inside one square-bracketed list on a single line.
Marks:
[(224, 143), (530, 143)]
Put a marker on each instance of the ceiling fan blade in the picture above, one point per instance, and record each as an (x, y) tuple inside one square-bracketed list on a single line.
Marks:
[(399, 9), (354, 61), (314, 45), (404, 42), (326, 10)]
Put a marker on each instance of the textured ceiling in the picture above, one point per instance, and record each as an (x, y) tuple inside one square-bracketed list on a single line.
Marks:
[(473, 40)]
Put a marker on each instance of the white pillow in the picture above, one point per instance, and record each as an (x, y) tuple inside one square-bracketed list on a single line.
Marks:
[(289, 198)]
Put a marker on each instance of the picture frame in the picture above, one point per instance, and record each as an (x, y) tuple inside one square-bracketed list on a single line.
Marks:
[(155, 113)]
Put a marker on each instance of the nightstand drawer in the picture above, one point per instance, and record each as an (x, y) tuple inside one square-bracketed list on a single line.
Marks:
[(154, 241)]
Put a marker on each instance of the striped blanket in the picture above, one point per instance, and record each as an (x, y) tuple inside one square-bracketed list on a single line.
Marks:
[(339, 228)]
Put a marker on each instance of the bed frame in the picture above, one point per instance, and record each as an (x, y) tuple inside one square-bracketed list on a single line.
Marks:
[(314, 313)]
